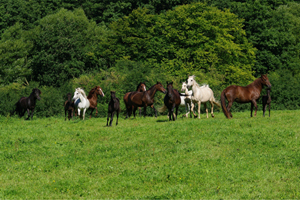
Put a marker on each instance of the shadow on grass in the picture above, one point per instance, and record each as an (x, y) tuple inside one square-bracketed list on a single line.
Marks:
[(161, 120)]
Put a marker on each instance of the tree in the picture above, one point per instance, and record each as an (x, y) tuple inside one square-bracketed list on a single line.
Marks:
[(63, 44), (190, 38)]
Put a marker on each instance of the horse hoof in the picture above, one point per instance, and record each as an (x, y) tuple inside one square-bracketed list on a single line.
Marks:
[(212, 116)]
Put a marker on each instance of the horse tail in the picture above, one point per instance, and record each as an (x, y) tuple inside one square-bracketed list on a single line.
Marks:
[(217, 103), (224, 104), (162, 109)]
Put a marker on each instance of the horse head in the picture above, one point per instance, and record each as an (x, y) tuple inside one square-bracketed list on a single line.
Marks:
[(69, 96), (265, 80), (36, 92), (191, 81), (170, 89), (141, 87), (99, 91), (184, 86), (160, 87), (78, 92)]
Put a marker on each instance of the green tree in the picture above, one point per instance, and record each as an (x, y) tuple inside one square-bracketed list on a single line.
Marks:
[(14, 52), (189, 39), (63, 47)]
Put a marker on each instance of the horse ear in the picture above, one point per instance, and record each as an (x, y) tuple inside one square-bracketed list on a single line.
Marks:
[(171, 83), (167, 82)]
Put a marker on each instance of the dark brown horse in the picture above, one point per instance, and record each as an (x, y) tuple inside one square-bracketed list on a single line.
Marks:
[(140, 88), (27, 103), (69, 107), (144, 99), (266, 100), (247, 94), (93, 96), (172, 100), (113, 106)]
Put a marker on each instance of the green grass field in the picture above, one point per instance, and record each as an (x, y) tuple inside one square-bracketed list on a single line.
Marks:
[(152, 158)]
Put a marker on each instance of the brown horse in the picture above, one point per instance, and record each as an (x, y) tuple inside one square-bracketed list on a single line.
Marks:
[(93, 96), (144, 99), (27, 103), (247, 94), (172, 100), (140, 88), (113, 106), (69, 107), (266, 100)]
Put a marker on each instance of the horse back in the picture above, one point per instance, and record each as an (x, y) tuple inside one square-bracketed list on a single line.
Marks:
[(138, 98)]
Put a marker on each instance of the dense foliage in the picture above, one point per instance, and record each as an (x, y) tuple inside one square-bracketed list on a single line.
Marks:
[(56, 44)]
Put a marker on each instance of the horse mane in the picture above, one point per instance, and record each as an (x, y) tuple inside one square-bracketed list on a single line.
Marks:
[(92, 91), (197, 84), (82, 92)]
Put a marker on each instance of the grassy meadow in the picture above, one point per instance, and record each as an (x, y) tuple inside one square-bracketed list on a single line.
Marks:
[(152, 158)]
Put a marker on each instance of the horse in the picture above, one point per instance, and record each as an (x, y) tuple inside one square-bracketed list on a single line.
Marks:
[(92, 97), (240, 94), (113, 106), (69, 107), (266, 100), (81, 101), (201, 94), (27, 103), (172, 100), (140, 88), (186, 100), (144, 99)]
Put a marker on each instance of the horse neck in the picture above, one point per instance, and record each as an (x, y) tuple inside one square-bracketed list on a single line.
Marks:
[(257, 84), (32, 98), (82, 99), (92, 95), (186, 91), (152, 91)]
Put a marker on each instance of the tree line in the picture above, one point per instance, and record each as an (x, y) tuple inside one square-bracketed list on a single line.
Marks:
[(56, 44)]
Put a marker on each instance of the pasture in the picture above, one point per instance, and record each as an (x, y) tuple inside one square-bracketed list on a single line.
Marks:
[(151, 157)]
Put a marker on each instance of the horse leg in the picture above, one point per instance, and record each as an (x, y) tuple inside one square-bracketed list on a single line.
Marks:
[(176, 112), (269, 109), (212, 109), (264, 108), (78, 113), (192, 110), (229, 107), (155, 111), (186, 109), (32, 113), (117, 117), (206, 110), (96, 112), (92, 110), (111, 118), (199, 106), (134, 109), (251, 109), (255, 105), (140, 111), (28, 113), (65, 114), (83, 113), (107, 119)]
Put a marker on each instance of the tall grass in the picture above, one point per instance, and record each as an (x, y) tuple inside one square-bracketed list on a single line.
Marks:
[(151, 158)]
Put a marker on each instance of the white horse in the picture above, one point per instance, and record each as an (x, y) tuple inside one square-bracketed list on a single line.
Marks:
[(81, 101), (202, 94), (186, 100)]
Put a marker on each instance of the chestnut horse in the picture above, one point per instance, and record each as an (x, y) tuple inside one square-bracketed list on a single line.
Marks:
[(92, 97), (266, 100), (172, 100), (113, 106), (247, 94), (144, 99), (27, 103), (140, 88)]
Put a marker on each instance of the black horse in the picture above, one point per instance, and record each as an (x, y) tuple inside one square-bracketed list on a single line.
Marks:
[(27, 103), (69, 107), (266, 100), (113, 106)]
